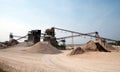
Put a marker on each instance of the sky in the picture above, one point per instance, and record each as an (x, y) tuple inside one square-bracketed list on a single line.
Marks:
[(21, 16)]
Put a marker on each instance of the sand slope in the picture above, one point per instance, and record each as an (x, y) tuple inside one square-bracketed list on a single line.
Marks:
[(94, 46), (15, 61), (43, 47)]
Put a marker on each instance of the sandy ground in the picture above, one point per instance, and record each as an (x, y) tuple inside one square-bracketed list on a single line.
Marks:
[(16, 60)]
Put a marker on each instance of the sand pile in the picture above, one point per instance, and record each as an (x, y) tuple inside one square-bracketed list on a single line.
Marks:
[(90, 46), (106, 45), (94, 46), (2, 46), (43, 47), (76, 51)]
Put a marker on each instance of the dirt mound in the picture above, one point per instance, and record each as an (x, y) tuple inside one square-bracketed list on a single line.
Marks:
[(106, 45), (101, 48), (2, 46), (43, 47), (94, 46), (13, 42), (76, 51)]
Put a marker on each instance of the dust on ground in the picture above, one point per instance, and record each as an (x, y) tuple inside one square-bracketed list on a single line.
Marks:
[(18, 59)]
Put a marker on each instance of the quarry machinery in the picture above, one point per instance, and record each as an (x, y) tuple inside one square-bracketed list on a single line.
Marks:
[(49, 35), (92, 34), (84, 34), (11, 36), (96, 34), (34, 36)]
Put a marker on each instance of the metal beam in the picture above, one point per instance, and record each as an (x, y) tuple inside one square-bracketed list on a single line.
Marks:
[(84, 34), (74, 36), (22, 37)]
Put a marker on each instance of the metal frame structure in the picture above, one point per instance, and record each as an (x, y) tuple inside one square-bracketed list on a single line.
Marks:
[(81, 34)]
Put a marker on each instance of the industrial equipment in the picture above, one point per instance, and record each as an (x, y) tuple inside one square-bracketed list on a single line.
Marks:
[(34, 36)]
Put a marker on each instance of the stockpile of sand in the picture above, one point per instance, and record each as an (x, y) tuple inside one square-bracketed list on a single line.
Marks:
[(106, 45), (76, 51), (94, 46), (2, 46), (43, 47), (90, 46)]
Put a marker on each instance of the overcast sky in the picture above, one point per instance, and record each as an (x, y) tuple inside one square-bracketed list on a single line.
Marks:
[(20, 16)]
